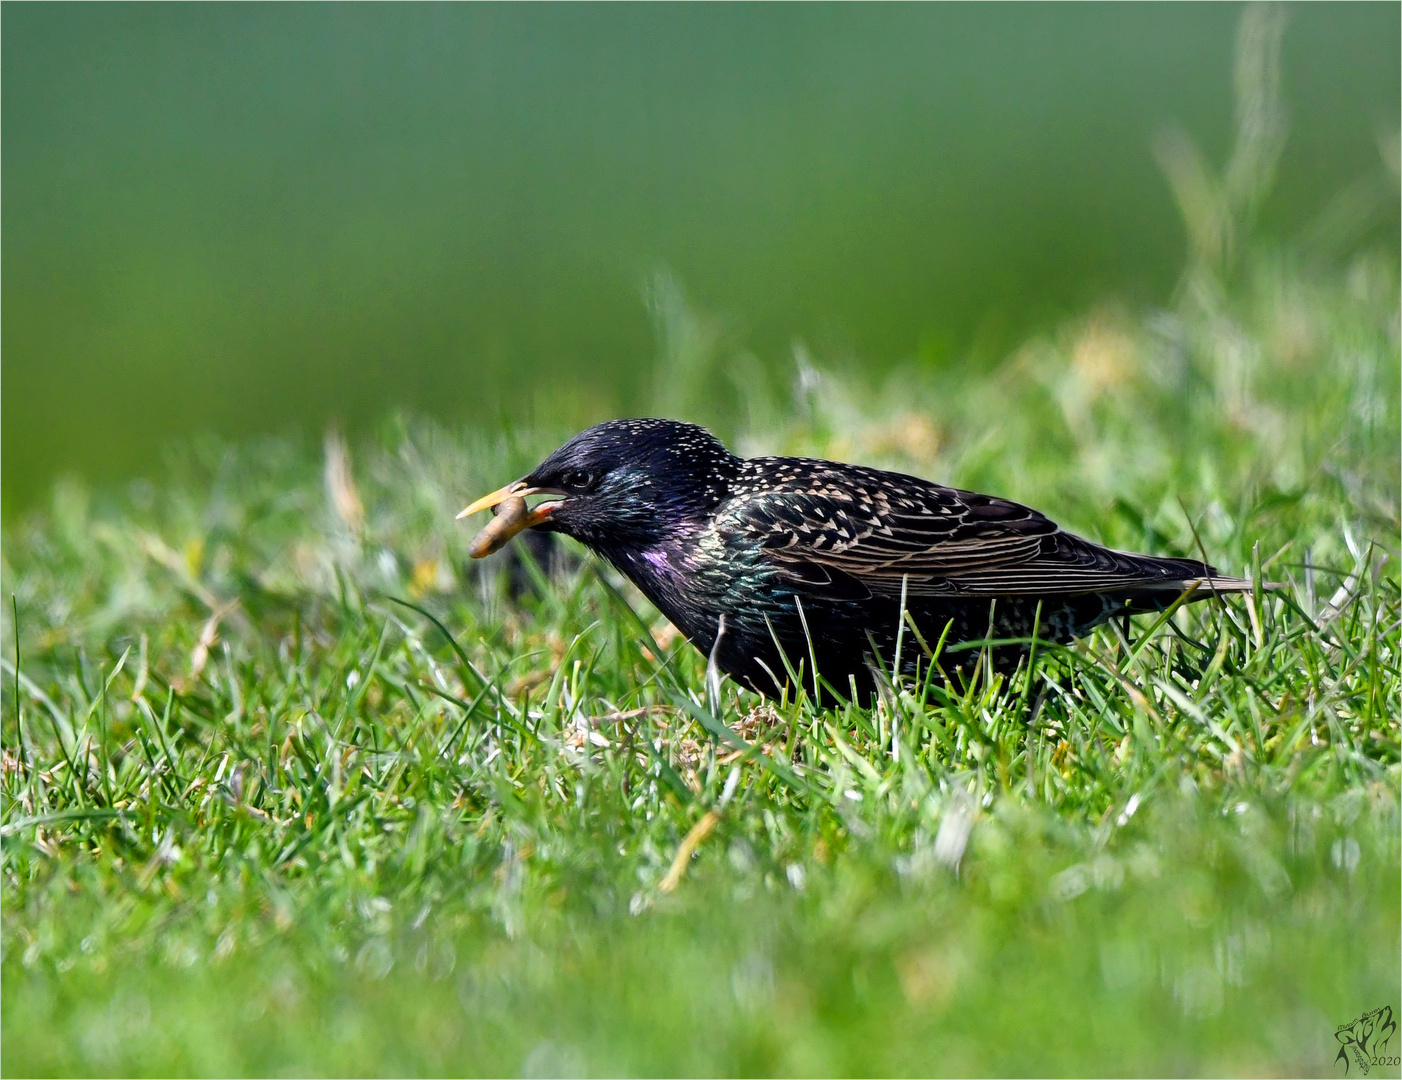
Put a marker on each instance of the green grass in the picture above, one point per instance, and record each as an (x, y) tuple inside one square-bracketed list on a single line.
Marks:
[(290, 785), (261, 817)]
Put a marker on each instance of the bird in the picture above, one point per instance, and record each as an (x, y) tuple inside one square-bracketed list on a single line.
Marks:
[(780, 569)]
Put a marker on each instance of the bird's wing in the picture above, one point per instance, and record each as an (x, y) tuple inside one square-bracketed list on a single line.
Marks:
[(846, 526)]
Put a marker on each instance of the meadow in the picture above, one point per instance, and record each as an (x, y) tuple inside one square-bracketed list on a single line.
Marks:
[(293, 786)]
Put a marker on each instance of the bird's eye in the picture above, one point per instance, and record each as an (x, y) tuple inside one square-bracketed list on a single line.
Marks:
[(577, 479)]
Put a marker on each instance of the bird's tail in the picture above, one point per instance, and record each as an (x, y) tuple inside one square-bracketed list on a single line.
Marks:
[(1180, 575), (1207, 586)]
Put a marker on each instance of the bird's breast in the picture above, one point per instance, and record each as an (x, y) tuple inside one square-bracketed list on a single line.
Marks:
[(693, 583)]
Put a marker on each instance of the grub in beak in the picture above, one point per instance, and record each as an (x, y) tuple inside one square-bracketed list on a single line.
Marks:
[(512, 516)]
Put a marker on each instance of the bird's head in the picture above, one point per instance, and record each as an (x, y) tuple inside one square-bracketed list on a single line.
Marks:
[(625, 483)]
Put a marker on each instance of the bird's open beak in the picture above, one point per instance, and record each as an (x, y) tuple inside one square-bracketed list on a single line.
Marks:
[(512, 520), (517, 488)]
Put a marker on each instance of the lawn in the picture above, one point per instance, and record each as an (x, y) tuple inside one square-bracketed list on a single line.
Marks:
[(291, 785)]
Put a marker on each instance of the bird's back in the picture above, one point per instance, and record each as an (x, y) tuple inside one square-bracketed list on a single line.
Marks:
[(829, 559)]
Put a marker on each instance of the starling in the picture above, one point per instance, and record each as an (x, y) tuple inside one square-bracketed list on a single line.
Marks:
[(772, 565)]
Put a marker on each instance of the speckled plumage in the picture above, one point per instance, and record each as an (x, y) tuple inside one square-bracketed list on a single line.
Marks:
[(772, 543)]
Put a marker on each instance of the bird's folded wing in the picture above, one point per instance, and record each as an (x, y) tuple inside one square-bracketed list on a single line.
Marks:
[(886, 532)]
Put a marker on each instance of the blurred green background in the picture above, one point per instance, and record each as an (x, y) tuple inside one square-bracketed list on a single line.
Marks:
[(243, 218)]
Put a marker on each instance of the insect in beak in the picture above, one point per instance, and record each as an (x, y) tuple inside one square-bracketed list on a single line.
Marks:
[(513, 517)]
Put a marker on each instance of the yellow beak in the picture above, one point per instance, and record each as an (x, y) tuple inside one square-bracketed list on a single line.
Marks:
[(510, 519), (516, 487)]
